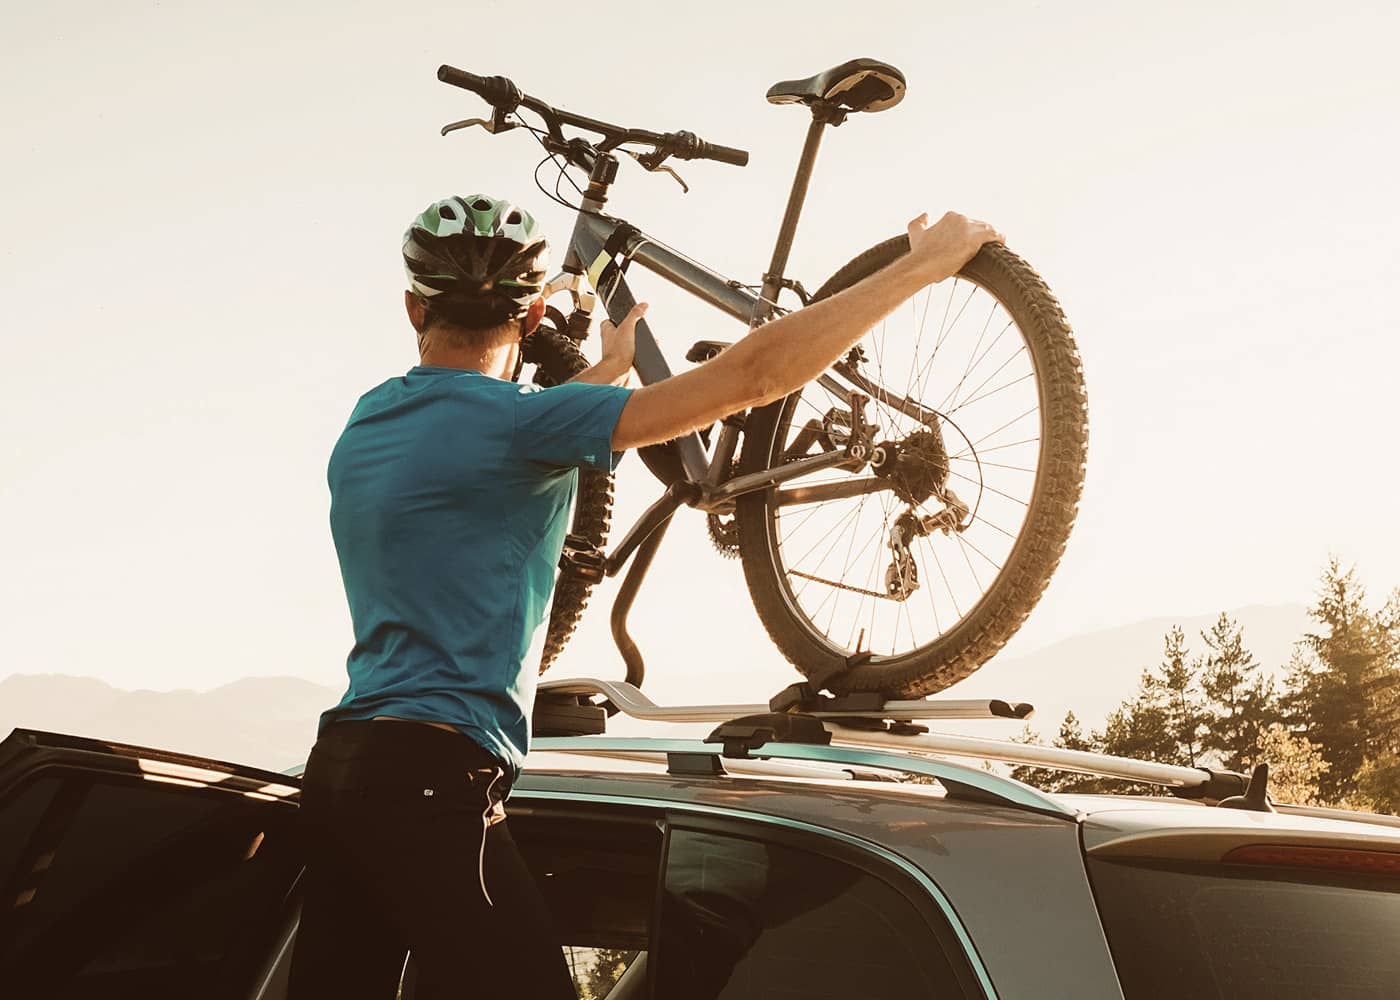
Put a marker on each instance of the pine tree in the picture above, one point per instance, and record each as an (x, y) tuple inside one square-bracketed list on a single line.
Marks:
[(1296, 766), (1164, 721), (1239, 698), (1344, 681), (1378, 785)]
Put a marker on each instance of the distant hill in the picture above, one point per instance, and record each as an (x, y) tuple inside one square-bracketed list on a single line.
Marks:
[(270, 721), (1091, 674), (265, 721)]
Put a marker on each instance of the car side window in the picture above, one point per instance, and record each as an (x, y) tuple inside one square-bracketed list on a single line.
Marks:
[(598, 875), (127, 887), (744, 917)]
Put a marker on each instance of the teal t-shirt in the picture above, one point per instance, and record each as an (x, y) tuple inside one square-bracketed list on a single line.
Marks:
[(450, 498)]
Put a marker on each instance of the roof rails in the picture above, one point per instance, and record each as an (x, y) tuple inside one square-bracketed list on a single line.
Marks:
[(959, 780), (564, 707)]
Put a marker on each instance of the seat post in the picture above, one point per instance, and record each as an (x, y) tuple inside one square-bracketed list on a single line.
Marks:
[(822, 115)]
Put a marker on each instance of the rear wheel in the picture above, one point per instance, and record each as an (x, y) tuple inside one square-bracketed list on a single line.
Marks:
[(557, 359), (908, 573)]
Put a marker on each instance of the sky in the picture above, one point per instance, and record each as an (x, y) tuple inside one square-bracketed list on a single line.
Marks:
[(204, 205)]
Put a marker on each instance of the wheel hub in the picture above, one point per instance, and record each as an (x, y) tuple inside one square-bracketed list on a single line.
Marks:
[(917, 467)]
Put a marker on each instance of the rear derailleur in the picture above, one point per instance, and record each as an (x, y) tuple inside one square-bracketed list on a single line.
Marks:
[(902, 576)]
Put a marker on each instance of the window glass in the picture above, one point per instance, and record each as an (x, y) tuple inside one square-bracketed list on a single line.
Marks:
[(597, 970), (598, 878), (139, 888), (743, 918), (19, 815), (1249, 933)]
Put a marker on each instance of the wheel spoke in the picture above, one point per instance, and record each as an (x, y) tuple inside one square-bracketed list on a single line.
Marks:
[(830, 544)]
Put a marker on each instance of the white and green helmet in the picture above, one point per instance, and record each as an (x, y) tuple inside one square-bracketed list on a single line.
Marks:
[(477, 259)]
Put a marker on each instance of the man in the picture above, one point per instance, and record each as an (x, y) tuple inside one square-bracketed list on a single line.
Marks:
[(450, 495)]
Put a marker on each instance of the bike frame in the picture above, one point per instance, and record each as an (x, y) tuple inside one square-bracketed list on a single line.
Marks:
[(598, 240)]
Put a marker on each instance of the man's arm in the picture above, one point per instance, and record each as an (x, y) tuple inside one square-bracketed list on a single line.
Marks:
[(786, 354)]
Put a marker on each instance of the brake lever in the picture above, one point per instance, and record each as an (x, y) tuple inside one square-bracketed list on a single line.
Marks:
[(497, 124), (655, 167)]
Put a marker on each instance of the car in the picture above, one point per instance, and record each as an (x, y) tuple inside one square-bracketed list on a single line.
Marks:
[(827, 850)]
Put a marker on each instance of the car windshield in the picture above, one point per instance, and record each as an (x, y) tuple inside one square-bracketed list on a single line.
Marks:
[(1245, 931)]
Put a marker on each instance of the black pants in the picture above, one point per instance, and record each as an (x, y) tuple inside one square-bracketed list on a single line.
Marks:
[(407, 850)]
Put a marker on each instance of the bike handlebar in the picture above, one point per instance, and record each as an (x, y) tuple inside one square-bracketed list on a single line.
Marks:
[(502, 94)]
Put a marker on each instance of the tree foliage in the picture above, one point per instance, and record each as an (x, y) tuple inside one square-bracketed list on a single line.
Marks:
[(1330, 736), (1344, 684)]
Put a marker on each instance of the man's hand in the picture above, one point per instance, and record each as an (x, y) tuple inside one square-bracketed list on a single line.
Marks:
[(620, 342), (940, 251), (619, 349)]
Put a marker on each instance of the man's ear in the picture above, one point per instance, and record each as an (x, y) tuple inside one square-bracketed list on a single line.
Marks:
[(533, 318), (417, 309)]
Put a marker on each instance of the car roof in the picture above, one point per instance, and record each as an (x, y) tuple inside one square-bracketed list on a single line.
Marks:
[(1105, 817)]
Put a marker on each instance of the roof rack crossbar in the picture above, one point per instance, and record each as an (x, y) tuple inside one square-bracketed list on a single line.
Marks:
[(1185, 780), (957, 778)]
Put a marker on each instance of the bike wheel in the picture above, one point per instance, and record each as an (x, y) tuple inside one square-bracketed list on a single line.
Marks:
[(558, 359), (981, 428)]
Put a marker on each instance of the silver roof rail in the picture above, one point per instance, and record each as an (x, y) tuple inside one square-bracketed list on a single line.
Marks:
[(1189, 782), (960, 780)]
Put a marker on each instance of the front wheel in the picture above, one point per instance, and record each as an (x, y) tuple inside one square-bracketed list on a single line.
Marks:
[(907, 572)]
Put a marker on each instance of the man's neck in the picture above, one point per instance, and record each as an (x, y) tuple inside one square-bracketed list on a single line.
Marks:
[(495, 361)]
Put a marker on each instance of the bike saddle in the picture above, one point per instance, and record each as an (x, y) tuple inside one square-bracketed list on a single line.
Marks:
[(858, 85)]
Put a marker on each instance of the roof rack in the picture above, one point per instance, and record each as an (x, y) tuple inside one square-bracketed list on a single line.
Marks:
[(959, 780), (565, 707)]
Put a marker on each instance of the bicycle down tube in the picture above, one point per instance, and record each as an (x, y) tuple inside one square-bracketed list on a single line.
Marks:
[(591, 234)]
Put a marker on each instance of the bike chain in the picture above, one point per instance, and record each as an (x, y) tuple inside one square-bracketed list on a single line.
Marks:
[(839, 585)]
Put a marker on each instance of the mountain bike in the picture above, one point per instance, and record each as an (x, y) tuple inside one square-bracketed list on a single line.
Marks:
[(898, 518)]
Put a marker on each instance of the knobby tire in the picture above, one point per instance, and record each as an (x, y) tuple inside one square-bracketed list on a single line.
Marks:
[(1035, 553), (558, 359)]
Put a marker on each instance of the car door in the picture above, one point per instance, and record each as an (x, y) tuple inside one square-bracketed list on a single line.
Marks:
[(128, 872), (760, 910)]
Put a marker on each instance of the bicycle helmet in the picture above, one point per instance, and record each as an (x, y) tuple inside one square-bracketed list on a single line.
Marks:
[(476, 259)]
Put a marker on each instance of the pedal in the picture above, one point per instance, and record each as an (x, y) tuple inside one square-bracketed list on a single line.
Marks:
[(582, 559)]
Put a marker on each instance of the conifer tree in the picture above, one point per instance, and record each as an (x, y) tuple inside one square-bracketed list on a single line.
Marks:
[(1164, 721), (1344, 681), (1239, 698)]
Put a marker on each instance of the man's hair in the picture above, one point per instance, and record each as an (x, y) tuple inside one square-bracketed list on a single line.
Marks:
[(469, 324)]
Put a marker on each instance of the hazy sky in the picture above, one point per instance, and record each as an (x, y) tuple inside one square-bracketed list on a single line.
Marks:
[(203, 205)]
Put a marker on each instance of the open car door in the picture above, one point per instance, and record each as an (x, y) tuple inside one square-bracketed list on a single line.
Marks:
[(128, 872)]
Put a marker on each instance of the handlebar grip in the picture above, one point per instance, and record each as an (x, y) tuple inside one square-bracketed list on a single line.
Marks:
[(498, 90), (724, 154), (460, 78)]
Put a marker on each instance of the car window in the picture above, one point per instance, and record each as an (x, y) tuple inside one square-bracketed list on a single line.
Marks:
[(127, 887), (1247, 932), (598, 876), (747, 918)]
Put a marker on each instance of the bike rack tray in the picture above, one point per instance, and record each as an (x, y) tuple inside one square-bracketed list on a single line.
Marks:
[(629, 700)]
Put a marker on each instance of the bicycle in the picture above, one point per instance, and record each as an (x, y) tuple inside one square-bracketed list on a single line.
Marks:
[(816, 471)]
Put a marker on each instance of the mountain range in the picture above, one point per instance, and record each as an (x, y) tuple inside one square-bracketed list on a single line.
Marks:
[(270, 721)]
